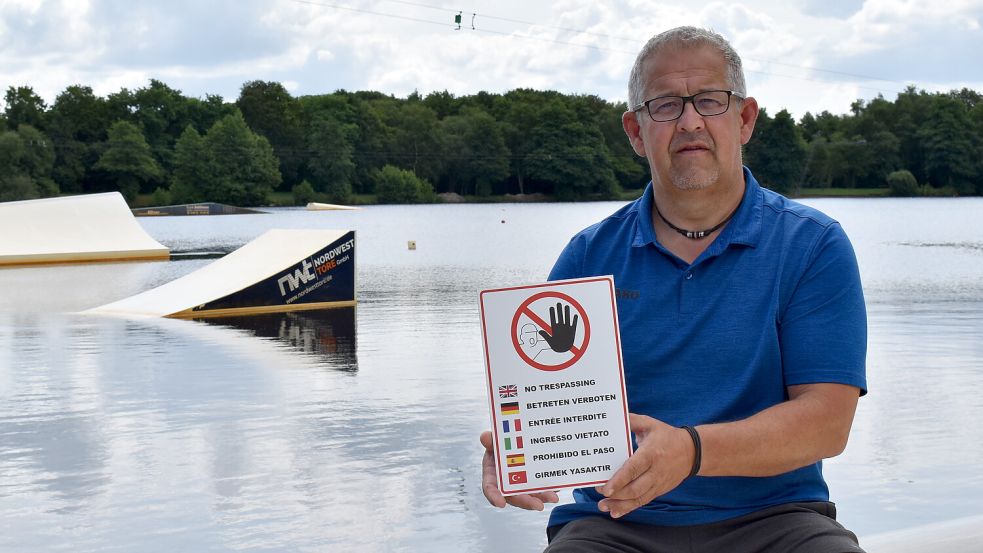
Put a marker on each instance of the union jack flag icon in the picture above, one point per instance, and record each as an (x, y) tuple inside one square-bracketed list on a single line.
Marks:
[(509, 390)]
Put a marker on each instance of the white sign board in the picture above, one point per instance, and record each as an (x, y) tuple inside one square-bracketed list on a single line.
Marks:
[(556, 384)]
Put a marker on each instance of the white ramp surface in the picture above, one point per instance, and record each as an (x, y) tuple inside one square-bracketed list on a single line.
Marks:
[(281, 270), (316, 206), (94, 227)]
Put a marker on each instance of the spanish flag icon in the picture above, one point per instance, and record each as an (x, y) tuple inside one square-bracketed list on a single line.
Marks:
[(517, 460), (510, 408)]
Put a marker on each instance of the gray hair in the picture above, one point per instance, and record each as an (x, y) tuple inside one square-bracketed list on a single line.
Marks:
[(685, 36)]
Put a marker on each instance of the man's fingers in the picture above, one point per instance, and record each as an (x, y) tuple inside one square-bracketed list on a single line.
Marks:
[(634, 467), (489, 478), (533, 502), (639, 424), (618, 508), (489, 483), (637, 487), (486, 440)]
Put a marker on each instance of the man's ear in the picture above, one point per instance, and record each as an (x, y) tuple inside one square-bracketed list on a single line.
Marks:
[(749, 115), (629, 121)]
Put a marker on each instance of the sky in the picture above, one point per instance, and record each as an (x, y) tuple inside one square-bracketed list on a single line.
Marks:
[(800, 55)]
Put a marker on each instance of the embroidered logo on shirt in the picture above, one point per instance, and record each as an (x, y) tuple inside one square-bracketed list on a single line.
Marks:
[(626, 294)]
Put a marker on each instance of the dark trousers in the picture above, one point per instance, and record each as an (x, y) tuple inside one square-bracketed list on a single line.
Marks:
[(790, 528)]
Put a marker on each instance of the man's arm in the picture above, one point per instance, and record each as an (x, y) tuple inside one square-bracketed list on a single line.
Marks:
[(812, 425)]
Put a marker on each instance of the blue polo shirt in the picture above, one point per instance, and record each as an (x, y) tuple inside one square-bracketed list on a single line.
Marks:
[(774, 301)]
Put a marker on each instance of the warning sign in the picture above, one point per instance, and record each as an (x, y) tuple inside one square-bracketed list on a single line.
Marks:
[(566, 335), (555, 384)]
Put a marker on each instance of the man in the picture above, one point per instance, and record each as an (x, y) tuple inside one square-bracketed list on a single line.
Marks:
[(744, 346)]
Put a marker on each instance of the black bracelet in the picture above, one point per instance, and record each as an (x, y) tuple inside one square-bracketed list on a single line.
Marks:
[(698, 457)]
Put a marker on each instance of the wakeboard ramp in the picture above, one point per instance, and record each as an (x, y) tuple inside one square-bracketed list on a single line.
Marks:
[(74, 229), (281, 270), (317, 206)]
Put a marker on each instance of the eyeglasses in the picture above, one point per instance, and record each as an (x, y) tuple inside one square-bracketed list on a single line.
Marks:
[(670, 108)]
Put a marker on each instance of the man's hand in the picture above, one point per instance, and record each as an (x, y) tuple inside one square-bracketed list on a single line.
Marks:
[(564, 330), (489, 484), (662, 461)]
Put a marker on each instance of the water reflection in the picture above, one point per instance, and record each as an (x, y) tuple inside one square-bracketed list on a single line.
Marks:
[(317, 431), (328, 335)]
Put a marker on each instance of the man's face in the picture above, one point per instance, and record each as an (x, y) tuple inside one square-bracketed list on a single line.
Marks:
[(693, 152)]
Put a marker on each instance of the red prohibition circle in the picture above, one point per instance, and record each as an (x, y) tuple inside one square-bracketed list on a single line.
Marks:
[(524, 308)]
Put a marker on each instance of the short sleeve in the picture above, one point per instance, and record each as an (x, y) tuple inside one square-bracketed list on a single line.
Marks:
[(570, 264), (823, 325)]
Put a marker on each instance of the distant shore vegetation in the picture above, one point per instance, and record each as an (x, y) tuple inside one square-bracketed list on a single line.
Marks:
[(158, 146)]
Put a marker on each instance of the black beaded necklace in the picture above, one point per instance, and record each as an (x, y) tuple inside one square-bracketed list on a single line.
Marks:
[(696, 234)]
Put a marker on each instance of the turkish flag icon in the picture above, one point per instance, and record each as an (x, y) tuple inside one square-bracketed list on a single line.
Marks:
[(517, 477)]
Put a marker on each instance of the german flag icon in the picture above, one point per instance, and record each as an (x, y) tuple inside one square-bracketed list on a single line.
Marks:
[(510, 408)]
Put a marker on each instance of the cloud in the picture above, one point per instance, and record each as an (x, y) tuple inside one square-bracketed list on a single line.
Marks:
[(840, 9), (902, 41), (573, 46)]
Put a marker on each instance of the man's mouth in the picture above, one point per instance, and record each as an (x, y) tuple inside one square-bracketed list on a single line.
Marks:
[(692, 147)]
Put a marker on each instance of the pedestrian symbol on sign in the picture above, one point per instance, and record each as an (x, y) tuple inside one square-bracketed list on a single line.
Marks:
[(563, 339)]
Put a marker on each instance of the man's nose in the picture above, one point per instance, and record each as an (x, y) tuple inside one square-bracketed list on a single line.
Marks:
[(690, 120)]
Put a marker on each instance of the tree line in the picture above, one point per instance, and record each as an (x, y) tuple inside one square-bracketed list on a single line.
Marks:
[(344, 146)]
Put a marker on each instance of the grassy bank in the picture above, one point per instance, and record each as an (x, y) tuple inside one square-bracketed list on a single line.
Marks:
[(841, 193), (286, 199)]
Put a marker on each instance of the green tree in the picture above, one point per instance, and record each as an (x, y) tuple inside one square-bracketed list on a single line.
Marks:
[(244, 170), (902, 183), (569, 156), (518, 112), (205, 113), (417, 139), (17, 187), (26, 158), (399, 186), (194, 175), (777, 153), (950, 145), (162, 113), (371, 142), (273, 113), (39, 155), (303, 193), (128, 159), (442, 103), (77, 121), (331, 164), (24, 107), (477, 157)]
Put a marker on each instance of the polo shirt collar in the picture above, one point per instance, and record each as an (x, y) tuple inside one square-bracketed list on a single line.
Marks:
[(744, 228)]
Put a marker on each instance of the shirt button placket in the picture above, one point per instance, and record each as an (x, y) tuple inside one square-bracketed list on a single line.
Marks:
[(686, 292)]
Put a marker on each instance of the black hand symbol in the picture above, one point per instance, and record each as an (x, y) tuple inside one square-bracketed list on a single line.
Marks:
[(564, 330)]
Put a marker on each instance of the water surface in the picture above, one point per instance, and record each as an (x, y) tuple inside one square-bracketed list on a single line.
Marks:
[(355, 429)]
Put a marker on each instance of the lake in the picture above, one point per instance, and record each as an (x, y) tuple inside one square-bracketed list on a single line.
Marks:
[(356, 429)]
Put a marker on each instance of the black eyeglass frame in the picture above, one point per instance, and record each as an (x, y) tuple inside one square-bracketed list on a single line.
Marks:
[(688, 99)]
